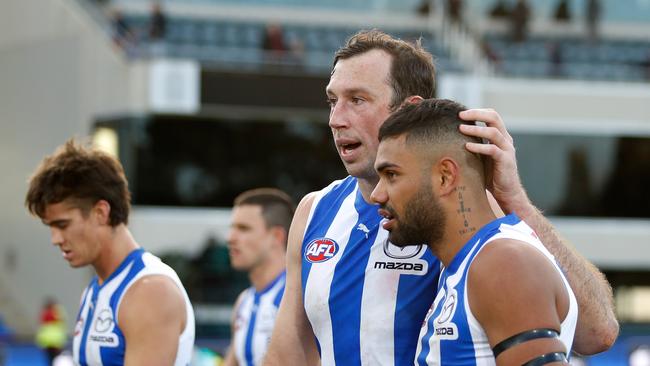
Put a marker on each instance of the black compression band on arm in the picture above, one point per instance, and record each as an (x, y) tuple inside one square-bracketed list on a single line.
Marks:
[(547, 358), (524, 337)]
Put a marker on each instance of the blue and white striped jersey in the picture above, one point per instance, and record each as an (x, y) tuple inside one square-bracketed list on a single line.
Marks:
[(254, 320), (365, 298), (98, 339), (451, 334)]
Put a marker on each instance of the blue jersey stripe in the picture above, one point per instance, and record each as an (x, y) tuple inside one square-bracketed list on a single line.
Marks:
[(82, 347), (94, 287), (459, 351), (108, 355), (410, 309), (251, 331), (278, 297), (346, 289), (272, 284), (325, 212), (84, 299), (425, 347), (136, 257), (136, 254)]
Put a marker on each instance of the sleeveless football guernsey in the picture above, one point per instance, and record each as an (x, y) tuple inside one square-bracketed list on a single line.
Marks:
[(254, 320), (365, 298), (451, 334), (98, 339)]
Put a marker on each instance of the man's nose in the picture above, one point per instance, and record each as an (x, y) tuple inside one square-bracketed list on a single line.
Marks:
[(378, 194), (55, 236), (338, 116)]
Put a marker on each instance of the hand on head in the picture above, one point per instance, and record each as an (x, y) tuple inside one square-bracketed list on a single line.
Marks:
[(502, 174)]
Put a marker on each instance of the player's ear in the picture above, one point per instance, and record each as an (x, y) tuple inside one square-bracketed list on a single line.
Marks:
[(447, 176), (102, 211), (279, 235), (413, 99)]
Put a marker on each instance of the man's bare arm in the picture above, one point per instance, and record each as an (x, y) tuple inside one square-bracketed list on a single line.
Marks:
[(293, 341), (597, 327), (150, 341), (513, 288)]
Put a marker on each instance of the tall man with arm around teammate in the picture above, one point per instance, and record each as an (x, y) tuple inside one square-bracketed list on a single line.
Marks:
[(135, 311), (340, 265)]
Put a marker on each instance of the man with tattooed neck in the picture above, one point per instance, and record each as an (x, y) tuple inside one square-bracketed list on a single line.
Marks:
[(501, 296)]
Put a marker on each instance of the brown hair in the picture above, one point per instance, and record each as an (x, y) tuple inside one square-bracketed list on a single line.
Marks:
[(83, 175), (277, 206), (433, 125), (412, 70)]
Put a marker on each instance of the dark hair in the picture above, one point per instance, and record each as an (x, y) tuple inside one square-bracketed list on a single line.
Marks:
[(277, 206), (83, 175), (412, 70), (433, 123)]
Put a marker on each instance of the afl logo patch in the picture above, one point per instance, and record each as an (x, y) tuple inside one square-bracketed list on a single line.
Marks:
[(320, 250)]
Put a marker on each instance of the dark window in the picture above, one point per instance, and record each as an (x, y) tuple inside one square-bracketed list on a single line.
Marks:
[(189, 161), (194, 161), (581, 175)]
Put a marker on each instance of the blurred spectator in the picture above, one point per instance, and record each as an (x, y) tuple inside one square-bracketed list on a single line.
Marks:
[(273, 40), (562, 12), (490, 54), (51, 335), (593, 19), (158, 24), (424, 8), (500, 10), (273, 43), (519, 20), (455, 11), (555, 58), (123, 36)]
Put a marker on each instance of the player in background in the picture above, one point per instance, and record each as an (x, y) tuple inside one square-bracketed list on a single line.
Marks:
[(257, 242), (361, 297)]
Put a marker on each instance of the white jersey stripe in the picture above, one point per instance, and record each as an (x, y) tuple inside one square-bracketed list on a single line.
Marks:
[(320, 277), (372, 331), (365, 300)]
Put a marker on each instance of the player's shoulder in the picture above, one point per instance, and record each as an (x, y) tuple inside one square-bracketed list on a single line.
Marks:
[(154, 284), (240, 298), (307, 201), (511, 268), (505, 257), (153, 293)]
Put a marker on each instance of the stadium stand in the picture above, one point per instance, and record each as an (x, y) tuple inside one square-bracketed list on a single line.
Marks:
[(574, 58), (239, 43)]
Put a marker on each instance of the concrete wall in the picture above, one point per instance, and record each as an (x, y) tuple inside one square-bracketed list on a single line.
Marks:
[(57, 71)]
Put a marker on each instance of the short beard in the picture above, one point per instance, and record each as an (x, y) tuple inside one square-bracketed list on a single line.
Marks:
[(423, 221)]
